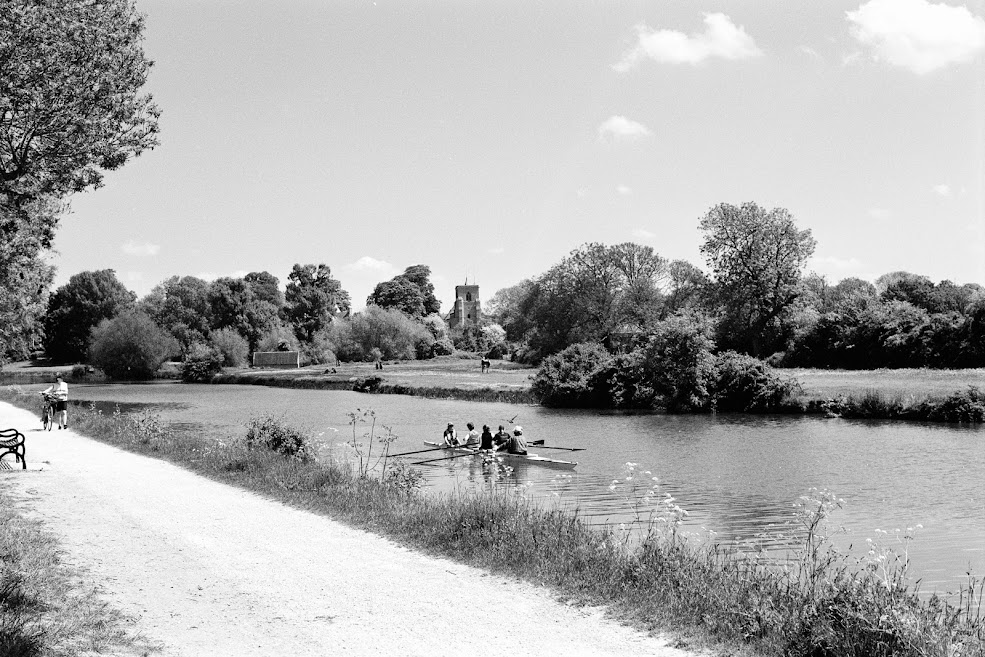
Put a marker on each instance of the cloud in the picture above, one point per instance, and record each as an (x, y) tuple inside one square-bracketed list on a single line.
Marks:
[(643, 234), (916, 34), (624, 190), (721, 38), (621, 128), (367, 263), (138, 249), (496, 250), (880, 213), (810, 52), (943, 189)]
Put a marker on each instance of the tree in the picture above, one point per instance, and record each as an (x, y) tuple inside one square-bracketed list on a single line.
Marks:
[(77, 307), (233, 304), (398, 294), (26, 231), (70, 75), (410, 292), (180, 305), (313, 299), (265, 287), (756, 257), (130, 346)]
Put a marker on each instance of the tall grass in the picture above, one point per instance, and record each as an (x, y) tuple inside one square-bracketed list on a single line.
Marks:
[(816, 601)]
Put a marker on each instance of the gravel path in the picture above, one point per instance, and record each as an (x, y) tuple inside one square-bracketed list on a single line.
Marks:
[(207, 569)]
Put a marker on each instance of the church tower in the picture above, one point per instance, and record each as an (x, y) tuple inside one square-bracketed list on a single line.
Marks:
[(466, 311)]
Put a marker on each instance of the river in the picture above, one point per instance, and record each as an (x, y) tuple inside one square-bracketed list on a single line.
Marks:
[(738, 476)]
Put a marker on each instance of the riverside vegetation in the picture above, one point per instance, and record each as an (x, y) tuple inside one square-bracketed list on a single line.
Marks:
[(815, 601)]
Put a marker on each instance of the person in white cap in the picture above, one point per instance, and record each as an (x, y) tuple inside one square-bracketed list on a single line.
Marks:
[(516, 444)]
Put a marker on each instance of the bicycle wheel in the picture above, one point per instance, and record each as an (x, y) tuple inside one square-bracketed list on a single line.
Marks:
[(48, 418)]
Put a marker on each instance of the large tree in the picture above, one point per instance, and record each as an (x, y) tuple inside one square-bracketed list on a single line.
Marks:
[(180, 305), (234, 304), (70, 101), (757, 257), (77, 307), (411, 292), (313, 299)]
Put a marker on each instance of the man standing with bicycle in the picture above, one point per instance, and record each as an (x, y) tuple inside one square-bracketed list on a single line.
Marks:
[(59, 390)]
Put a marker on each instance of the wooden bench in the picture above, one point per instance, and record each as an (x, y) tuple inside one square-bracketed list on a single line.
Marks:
[(12, 442)]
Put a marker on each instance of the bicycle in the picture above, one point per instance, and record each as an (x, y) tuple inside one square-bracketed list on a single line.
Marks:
[(48, 412)]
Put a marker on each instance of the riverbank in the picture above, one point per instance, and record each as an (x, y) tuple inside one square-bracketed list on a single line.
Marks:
[(206, 568), (662, 583)]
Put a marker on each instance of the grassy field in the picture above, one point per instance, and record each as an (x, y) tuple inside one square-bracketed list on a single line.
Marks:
[(918, 383)]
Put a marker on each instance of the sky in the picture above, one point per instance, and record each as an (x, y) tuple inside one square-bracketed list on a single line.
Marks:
[(489, 138)]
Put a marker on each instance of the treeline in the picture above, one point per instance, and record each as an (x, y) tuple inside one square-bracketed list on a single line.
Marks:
[(209, 325), (755, 300)]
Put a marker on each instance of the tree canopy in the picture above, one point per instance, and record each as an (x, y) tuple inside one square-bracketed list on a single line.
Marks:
[(313, 299), (756, 256), (411, 292), (77, 307), (70, 102)]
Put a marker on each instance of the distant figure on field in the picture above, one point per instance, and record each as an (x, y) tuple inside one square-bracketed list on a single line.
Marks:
[(472, 440), (486, 440), (59, 390), (484, 364), (450, 436)]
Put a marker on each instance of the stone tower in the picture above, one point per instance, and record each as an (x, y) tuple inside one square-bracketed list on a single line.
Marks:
[(466, 310)]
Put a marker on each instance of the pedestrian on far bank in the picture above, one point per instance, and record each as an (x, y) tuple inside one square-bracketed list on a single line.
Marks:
[(59, 390)]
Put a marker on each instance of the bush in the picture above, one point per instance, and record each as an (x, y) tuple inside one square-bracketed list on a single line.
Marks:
[(442, 347), (272, 433), (966, 406), (575, 378), (279, 338), (744, 384), (393, 334), (678, 365), (232, 346), (498, 351), (202, 362), (131, 346)]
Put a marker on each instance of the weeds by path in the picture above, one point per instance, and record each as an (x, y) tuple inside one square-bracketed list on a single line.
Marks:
[(818, 602), (45, 610)]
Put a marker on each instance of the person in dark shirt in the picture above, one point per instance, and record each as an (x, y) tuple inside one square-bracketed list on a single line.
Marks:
[(487, 438), (501, 437)]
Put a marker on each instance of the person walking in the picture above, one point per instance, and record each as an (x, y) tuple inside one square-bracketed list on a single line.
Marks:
[(59, 390)]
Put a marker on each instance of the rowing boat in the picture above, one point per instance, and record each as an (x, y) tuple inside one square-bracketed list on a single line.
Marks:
[(529, 457)]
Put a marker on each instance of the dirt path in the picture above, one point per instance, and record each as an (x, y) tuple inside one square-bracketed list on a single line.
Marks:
[(208, 569)]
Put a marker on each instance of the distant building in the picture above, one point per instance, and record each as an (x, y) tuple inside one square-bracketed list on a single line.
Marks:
[(466, 310)]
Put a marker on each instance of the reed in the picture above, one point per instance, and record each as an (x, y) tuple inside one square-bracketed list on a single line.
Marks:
[(815, 601)]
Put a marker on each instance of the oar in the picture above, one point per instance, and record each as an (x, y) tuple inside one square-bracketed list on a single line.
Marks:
[(540, 443), (446, 458), (420, 451)]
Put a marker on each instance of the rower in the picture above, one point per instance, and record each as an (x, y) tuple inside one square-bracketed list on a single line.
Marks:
[(516, 443), (450, 436), (486, 438), (472, 440), (501, 438)]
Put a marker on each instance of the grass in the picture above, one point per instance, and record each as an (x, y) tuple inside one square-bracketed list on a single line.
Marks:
[(916, 384), (45, 609), (816, 602)]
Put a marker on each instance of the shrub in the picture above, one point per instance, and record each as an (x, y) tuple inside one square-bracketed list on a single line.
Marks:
[(393, 334), (574, 378), (425, 348), (272, 433), (746, 384), (965, 406), (320, 350), (279, 338), (498, 351), (678, 365), (131, 346), (202, 362), (232, 346), (442, 347)]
